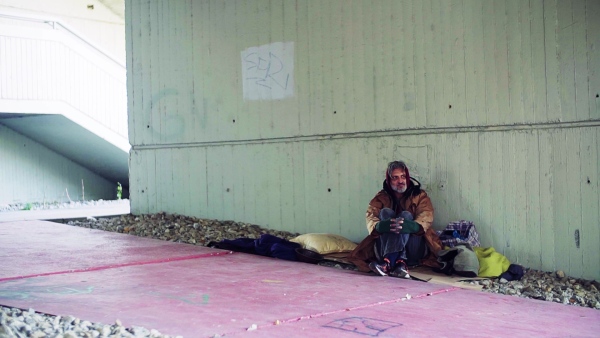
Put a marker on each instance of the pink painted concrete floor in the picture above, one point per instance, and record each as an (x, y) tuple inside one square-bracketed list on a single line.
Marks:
[(194, 291)]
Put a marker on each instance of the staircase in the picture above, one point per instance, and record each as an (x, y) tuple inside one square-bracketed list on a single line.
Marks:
[(65, 93)]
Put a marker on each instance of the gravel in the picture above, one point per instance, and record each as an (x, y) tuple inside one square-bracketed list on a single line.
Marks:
[(19, 323), (547, 286)]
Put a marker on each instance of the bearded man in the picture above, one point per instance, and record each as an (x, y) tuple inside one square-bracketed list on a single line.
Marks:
[(399, 220)]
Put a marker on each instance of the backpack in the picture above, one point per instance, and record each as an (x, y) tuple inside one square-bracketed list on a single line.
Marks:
[(459, 232)]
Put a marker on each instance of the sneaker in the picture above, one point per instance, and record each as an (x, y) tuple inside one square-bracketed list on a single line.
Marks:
[(378, 268), (401, 271)]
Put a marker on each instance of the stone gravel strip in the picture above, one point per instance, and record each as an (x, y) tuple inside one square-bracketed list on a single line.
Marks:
[(18, 323), (546, 286)]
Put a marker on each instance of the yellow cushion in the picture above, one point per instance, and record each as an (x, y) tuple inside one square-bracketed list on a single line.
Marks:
[(324, 243)]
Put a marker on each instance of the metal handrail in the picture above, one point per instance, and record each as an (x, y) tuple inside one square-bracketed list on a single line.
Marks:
[(54, 23)]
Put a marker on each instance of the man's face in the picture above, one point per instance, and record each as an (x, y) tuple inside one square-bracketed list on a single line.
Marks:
[(398, 180)]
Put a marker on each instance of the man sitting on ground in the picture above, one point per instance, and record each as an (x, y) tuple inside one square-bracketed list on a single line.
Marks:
[(399, 220)]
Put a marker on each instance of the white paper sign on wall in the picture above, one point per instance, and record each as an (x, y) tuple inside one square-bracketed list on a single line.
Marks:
[(268, 71)]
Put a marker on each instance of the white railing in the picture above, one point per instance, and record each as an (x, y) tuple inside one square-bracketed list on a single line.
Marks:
[(55, 24), (43, 61)]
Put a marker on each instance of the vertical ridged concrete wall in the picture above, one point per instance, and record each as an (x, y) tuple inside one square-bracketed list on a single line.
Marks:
[(494, 104), (30, 172)]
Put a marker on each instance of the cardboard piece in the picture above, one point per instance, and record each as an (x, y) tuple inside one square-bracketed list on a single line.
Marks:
[(422, 273), (426, 274)]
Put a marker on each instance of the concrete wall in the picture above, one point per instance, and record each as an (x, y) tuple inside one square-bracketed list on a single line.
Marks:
[(33, 173), (494, 105)]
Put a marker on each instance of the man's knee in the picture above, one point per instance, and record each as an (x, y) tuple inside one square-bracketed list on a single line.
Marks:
[(406, 215), (386, 213)]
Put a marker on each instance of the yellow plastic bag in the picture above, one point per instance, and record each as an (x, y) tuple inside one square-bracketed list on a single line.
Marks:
[(491, 263)]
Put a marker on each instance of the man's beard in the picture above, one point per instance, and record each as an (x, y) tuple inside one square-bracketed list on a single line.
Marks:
[(399, 190)]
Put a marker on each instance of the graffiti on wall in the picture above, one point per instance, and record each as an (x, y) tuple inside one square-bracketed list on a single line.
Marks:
[(268, 71)]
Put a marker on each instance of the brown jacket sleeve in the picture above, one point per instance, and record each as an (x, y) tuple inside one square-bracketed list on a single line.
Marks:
[(423, 210), (380, 201)]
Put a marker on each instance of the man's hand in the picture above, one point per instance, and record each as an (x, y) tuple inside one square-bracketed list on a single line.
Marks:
[(393, 225), (396, 225)]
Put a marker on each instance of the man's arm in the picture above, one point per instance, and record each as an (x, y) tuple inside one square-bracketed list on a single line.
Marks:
[(424, 212), (372, 220), (372, 214), (397, 225)]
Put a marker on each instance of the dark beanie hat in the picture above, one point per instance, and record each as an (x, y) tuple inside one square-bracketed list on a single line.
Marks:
[(397, 165), (514, 272)]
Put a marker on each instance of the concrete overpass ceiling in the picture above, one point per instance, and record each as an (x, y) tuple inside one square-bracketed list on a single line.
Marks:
[(115, 6)]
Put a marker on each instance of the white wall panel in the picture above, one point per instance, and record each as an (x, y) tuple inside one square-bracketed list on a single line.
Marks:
[(493, 103), (41, 67)]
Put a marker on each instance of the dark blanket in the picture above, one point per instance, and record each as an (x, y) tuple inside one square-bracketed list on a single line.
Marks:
[(266, 245)]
